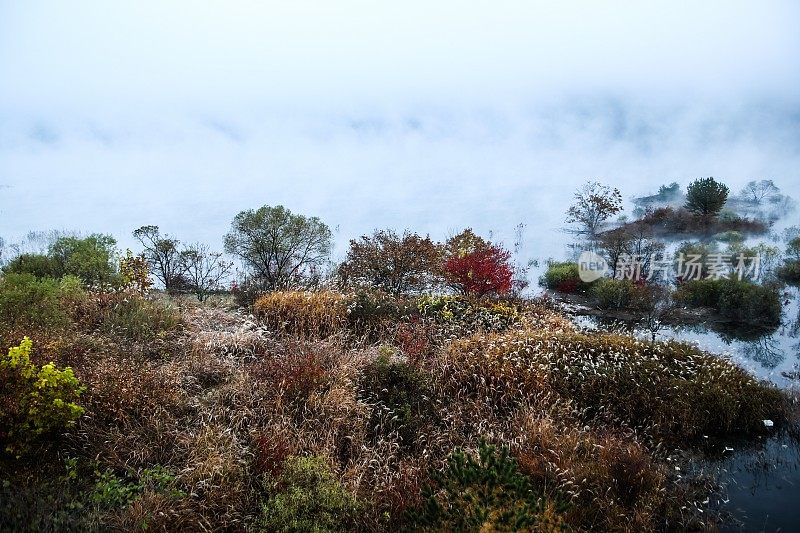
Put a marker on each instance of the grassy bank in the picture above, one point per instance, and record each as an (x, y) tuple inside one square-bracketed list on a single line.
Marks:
[(328, 411)]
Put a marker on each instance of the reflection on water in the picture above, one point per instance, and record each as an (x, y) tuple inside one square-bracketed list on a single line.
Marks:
[(760, 482)]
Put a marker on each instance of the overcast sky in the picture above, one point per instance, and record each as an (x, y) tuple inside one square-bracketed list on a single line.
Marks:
[(430, 115)]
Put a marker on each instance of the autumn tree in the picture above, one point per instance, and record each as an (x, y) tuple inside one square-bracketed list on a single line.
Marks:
[(163, 255), (477, 267), (204, 270), (595, 203), (397, 264), (277, 247), (705, 197)]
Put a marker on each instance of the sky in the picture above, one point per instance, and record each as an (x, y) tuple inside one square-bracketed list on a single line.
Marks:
[(431, 116)]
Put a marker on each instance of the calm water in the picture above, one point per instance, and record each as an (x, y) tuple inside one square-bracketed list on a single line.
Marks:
[(761, 479)]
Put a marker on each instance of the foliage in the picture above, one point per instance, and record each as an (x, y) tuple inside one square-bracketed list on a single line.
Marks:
[(370, 312), (675, 221), (308, 497), (790, 271), (734, 299), (399, 396), (162, 253), (396, 264), (610, 293), (27, 302), (35, 400), (111, 490), (135, 273), (487, 493), (563, 277), (595, 203), (705, 197), (92, 259), (484, 271), (39, 265), (278, 247)]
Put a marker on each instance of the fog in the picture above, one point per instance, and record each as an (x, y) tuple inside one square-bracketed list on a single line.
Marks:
[(115, 115)]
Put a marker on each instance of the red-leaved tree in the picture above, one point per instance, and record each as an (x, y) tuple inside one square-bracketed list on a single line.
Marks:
[(485, 270)]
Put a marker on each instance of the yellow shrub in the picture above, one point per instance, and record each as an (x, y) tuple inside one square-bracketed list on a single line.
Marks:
[(34, 400)]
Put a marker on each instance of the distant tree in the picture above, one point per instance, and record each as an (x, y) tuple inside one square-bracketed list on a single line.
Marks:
[(278, 247), (669, 192), (39, 265), (93, 259), (614, 245), (397, 264), (162, 253), (756, 192), (477, 267), (705, 197), (204, 271), (594, 205)]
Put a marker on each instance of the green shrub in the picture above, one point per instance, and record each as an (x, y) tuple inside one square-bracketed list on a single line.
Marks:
[(92, 259), (27, 302), (563, 277), (790, 271), (112, 491), (734, 299), (487, 493), (308, 497), (398, 394), (742, 301), (700, 293), (612, 293), (39, 265), (34, 400)]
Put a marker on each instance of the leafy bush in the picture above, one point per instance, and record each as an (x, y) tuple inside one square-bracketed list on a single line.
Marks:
[(39, 265), (790, 271), (487, 493), (303, 313), (306, 496), (28, 302), (397, 264), (563, 277), (734, 299), (111, 490), (612, 293), (480, 272), (742, 301), (399, 396), (92, 259), (34, 400)]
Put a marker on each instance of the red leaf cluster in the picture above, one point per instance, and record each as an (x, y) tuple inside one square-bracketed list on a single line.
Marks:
[(485, 270)]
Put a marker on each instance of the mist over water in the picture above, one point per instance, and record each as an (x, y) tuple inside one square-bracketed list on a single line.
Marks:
[(430, 170)]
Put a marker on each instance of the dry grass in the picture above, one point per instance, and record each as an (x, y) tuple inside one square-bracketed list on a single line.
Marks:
[(236, 399)]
